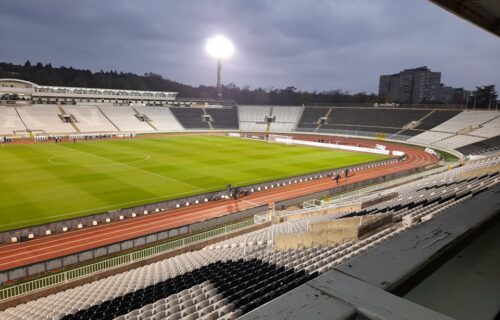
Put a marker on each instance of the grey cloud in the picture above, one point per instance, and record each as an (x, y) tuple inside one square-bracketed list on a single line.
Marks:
[(319, 44)]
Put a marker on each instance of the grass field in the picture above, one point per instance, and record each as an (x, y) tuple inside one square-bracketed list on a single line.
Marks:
[(42, 183)]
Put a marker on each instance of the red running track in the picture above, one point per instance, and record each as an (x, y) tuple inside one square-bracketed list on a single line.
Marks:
[(25, 253)]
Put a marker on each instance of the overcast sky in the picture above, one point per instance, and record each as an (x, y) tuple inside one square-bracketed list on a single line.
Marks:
[(310, 44)]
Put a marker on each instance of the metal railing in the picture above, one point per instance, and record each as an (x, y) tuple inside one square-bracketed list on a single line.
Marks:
[(112, 263)]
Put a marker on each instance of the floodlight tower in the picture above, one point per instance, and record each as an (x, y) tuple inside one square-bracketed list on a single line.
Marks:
[(220, 48)]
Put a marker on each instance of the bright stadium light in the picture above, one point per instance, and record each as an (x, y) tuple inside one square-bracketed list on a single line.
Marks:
[(220, 48)]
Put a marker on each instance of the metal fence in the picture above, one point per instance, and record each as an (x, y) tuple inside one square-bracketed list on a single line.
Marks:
[(109, 264)]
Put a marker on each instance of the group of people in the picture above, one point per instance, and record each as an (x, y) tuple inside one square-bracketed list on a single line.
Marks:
[(337, 176), (5, 139)]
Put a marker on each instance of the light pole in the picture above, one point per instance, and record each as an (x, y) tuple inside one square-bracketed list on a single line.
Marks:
[(220, 48), (474, 107)]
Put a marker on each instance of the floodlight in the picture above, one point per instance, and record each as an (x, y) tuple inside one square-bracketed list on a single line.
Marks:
[(220, 48)]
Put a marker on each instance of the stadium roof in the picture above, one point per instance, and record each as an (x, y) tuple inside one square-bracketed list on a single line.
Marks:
[(483, 13)]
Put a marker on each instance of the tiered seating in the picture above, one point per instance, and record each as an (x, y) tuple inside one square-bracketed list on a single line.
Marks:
[(483, 146), (44, 118), (429, 137), (353, 129), (312, 115), (10, 121), (464, 120), (252, 118), (161, 118), (372, 119), (89, 119), (456, 141), (390, 118), (436, 118), (446, 135), (488, 129), (224, 118), (286, 118), (124, 118), (190, 118)]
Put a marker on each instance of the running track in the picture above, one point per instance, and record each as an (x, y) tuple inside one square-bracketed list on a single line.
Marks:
[(25, 253)]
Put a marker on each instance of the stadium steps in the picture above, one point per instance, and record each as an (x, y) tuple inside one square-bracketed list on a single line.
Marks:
[(22, 121), (481, 125), (72, 123), (327, 116), (488, 121), (209, 123), (105, 116), (296, 124), (268, 128), (420, 121), (148, 121)]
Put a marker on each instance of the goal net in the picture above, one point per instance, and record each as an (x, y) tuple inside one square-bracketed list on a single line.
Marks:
[(278, 138)]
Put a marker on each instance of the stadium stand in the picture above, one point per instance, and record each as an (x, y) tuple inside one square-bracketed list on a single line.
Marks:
[(124, 118), (89, 119), (373, 119), (44, 118), (464, 120), (488, 129), (390, 118), (436, 117), (190, 118), (456, 141), (467, 127), (10, 121), (228, 279), (253, 118), (286, 118), (446, 129), (488, 145), (161, 118), (224, 118)]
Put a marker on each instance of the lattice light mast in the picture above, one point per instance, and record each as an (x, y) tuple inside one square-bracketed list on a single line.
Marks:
[(220, 48)]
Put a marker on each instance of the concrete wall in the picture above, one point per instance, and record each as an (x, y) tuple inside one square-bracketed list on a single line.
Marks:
[(317, 238), (333, 232), (341, 209)]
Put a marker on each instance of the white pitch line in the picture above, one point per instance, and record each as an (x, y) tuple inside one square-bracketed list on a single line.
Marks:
[(132, 167)]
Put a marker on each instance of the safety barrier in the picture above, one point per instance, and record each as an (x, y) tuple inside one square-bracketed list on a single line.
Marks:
[(109, 264)]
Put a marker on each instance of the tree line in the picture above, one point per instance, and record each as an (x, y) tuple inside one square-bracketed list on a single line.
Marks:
[(45, 74)]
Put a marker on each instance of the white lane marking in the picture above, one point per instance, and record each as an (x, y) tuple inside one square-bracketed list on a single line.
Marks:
[(252, 203), (97, 208), (142, 227)]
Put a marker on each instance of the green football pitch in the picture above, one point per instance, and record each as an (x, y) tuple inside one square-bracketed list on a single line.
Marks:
[(42, 183)]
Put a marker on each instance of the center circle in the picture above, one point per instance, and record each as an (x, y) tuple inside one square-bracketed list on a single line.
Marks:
[(101, 159)]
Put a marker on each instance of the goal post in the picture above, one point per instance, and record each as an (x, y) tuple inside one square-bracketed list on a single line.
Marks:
[(279, 138)]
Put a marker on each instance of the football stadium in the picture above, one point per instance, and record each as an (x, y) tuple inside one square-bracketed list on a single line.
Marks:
[(136, 204), (143, 203)]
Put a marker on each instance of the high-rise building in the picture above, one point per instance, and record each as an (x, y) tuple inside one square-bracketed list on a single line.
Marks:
[(452, 95), (389, 87), (410, 86)]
